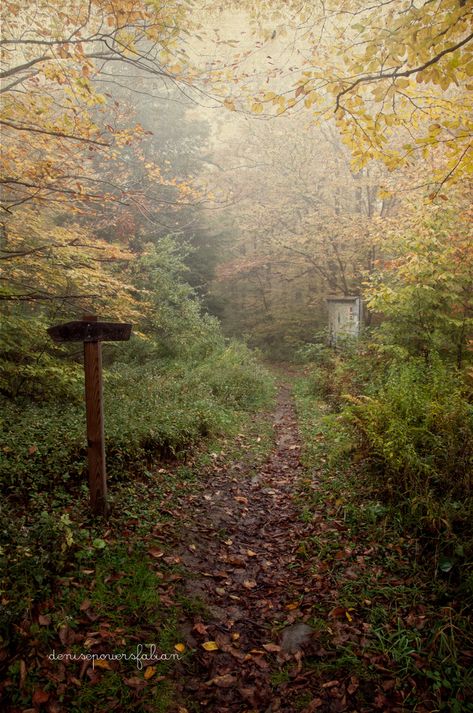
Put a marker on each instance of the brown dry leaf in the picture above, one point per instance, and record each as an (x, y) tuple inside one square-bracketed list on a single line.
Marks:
[(64, 635), (32, 450), (354, 684), (85, 605), (44, 620), (210, 646), (235, 636), (248, 694), (200, 628), (155, 552), (273, 648), (292, 605), (249, 584), (250, 553), (102, 663), (40, 696), (134, 682), (236, 561), (224, 681), (331, 684), (241, 499)]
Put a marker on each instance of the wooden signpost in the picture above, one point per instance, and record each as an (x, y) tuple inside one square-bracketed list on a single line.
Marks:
[(92, 333)]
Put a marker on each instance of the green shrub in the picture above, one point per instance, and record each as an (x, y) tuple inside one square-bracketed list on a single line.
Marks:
[(34, 546), (417, 430), (149, 410)]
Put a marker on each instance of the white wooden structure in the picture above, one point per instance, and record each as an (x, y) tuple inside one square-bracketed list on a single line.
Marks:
[(345, 315)]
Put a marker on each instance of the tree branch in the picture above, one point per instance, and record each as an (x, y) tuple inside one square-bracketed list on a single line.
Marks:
[(405, 73), (59, 134)]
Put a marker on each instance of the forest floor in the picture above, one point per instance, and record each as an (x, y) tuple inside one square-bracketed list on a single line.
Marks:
[(242, 563)]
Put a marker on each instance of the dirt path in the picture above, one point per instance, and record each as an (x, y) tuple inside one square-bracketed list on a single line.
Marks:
[(241, 540)]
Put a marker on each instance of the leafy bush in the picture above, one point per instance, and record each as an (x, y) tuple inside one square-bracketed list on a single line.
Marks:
[(417, 430), (149, 409), (41, 446), (353, 368), (34, 546)]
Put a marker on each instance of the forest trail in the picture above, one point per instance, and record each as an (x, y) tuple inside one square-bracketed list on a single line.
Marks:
[(241, 538)]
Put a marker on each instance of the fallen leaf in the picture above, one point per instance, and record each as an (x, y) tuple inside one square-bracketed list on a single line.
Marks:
[(40, 696), (99, 543), (236, 561), (249, 584), (155, 552), (180, 647), (224, 681), (354, 685), (44, 620), (150, 671), (331, 684), (200, 628), (134, 682), (273, 648), (102, 663), (64, 635), (210, 646), (85, 605)]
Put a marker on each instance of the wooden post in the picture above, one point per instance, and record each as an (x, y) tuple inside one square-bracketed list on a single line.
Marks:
[(93, 333), (95, 427)]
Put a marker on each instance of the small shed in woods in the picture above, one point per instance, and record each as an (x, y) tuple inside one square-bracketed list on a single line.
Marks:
[(345, 315)]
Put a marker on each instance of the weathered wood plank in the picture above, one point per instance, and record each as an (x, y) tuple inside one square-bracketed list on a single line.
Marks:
[(95, 427), (90, 331)]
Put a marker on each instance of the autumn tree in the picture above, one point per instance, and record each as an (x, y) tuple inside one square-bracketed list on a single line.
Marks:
[(83, 188), (304, 226), (60, 130), (396, 74), (423, 285)]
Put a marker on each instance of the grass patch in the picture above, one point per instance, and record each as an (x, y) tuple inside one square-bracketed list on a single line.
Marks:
[(391, 612), (115, 584)]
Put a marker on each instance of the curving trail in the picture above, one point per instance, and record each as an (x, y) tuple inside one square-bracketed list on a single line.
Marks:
[(241, 538)]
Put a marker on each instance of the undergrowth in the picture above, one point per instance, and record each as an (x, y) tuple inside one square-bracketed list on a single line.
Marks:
[(387, 452)]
